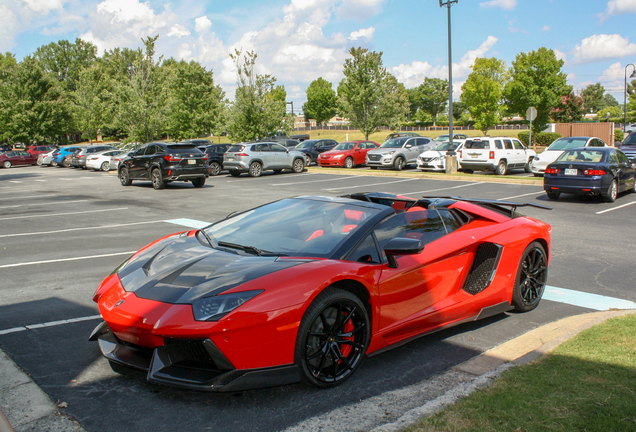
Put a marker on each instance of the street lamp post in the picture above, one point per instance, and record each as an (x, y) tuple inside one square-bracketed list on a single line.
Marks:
[(633, 75), (448, 4)]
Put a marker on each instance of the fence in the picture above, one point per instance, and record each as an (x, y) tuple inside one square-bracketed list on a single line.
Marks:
[(604, 131), (411, 128)]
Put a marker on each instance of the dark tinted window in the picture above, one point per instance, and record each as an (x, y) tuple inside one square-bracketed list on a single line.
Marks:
[(236, 149), (366, 251), (181, 149), (474, 144), (450, 223), (621, 157), (631, 139), (278, 148), (260, 147), (518, 145), (613, 157), (508, 145)]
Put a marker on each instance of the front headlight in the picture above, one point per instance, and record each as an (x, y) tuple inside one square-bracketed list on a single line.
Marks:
[(338, 156), (215, 308)]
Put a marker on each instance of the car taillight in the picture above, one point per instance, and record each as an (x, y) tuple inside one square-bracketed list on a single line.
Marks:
[(593, 172), (56, 154), (460, 154), (491, 155), (204, 157), (171, 158), (241, 154), (552, 171)]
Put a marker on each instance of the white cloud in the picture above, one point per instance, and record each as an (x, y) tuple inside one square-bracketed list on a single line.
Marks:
[(618, 7), (545, 28), (202, 24), (602, 47), (178, 30), (362, 33), (44, 6), (503, 4), (8, 29), (413, 75), (560, 55), (359, 10)]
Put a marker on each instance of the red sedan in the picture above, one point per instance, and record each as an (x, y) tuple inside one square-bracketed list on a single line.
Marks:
[(347, 154), (11, 158)]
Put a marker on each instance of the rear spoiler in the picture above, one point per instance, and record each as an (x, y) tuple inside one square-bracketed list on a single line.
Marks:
[(495, 203)]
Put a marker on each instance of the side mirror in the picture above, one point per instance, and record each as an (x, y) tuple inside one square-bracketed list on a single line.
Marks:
[(357, 150), (402, 246), (408, 146)]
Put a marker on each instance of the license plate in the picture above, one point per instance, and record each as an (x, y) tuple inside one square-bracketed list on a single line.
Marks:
[(474, 156), (230, 159), (191, 161), (570, 171)]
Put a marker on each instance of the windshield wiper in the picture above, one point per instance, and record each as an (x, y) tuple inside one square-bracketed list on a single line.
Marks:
[(249, 249), (207, 237)]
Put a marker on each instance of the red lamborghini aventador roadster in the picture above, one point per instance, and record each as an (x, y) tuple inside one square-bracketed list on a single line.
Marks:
[(323, 280)]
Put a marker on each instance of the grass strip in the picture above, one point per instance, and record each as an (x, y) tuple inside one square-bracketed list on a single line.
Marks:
[(586, 384)]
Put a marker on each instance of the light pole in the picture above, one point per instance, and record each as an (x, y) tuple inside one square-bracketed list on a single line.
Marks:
[(448, 4), (633, 75)]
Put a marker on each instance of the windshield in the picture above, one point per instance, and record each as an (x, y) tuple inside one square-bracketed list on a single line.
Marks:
[(393, 143), (293, 227), (306, 144), (443, 146), (347, 145), (631, 139), (581, 156), (567, 143), (442, 138)]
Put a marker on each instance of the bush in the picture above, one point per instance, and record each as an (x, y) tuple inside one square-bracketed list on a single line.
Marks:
[(618, 135), (541, 138)]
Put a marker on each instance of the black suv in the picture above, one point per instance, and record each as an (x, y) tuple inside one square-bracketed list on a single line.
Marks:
[(163, 163), (316, 146), (215, 156)]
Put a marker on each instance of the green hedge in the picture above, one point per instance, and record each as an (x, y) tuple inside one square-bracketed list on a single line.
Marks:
[(541, 138), (618, 135)]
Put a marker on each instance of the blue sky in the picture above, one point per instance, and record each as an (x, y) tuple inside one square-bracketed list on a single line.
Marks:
[(300, 40)]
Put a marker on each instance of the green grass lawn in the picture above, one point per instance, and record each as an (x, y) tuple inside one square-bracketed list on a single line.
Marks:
[(586, 384)]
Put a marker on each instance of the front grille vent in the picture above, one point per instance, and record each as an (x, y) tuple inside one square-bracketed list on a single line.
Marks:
[(190, 353)]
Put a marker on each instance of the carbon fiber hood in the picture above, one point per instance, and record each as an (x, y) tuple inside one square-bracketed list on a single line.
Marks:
[(180, 270)]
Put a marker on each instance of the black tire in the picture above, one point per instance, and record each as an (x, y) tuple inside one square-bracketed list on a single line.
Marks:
[(348, 163), (66, 163), (398, 165), (468, 171), (531, 279), (235, 173), (215, 168), (612, 192), (553, 195), (502, 168), (105, 166), (53, 163), (124, 178), (332, 338), (527, 167), (298, 166), (538, 175), (198, 182), (373, 167), (256, 169), (157, 179), (633, 189), (39, 162), (6, 164)]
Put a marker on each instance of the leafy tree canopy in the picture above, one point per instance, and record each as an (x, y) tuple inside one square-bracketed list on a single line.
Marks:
[(65, 60), (321, 101), (483, 91), (592, 96)]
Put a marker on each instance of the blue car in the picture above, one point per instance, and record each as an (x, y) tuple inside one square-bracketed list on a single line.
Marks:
[(603, 171), (59, 157)]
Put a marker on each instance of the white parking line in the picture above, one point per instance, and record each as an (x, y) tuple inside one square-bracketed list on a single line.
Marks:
[(15, 181), (80, 229), (315, 181), (441, 189), (46, 204), (64, 214), (615, 208), (518, 196), (49, 324), (65, 259), (34, 196), (263, 178), (372, 184)]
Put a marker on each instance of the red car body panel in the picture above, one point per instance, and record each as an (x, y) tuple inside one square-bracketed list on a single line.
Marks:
[(17, 157), (328, 158)]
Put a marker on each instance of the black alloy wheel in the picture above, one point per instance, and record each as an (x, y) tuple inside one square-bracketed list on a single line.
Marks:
[(348, 163), (553, 194), (501, 168), (198, 182), (532, 276), (399, 163), (332, 338), (215, 169), (612, 192), (256, 169), (6, 164), (298, 166), (157, 179), (124, 179), (105, 166)]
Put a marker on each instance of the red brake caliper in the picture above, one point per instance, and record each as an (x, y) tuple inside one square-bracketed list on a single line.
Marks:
[(346, 348)]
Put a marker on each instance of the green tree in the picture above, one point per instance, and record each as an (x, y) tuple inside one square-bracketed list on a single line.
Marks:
[(92, 102), (432, 96), (33, 107), (592, 96), (143, 97), (196, 103), (368, 95), (460, 109), (7, 65), (482, 92), (613, 111), (321, 101), (609, 101), (536, 80), (569, 110), (65, 60), (259, 107)]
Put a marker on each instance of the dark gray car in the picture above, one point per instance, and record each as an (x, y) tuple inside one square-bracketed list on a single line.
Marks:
[(396, 153), (254, 158)]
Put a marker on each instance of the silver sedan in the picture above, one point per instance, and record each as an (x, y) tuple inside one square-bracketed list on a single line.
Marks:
[(102, 161)]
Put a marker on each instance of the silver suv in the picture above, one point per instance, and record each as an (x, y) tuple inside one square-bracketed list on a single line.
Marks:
[(254, 158), (396, 153)]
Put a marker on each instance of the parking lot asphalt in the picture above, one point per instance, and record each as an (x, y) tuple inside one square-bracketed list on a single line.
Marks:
[(63, 230)]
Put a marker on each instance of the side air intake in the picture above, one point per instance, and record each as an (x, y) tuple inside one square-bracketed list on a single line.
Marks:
[(484, 266)]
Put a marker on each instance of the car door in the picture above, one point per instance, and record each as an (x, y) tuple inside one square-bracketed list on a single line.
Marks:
[(136, 163), (412, 294), (359, 153), (510, 153), (521, 155), (280, 155), (623, 174)]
